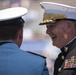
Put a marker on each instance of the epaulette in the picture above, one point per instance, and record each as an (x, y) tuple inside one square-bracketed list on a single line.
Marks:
[(37, 54), (70, 63)]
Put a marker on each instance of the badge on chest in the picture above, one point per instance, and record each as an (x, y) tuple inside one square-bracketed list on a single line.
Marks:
[(70, 63)]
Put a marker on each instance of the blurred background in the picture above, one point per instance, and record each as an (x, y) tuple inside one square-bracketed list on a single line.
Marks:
[(35, 38)]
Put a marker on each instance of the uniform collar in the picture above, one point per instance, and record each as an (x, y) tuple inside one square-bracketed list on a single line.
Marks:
[(69, 46), (9, 44), (4, 42)]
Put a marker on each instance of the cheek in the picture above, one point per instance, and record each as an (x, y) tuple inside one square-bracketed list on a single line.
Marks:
[(65, 34), (61, 31), (61, 39), (61, 34)]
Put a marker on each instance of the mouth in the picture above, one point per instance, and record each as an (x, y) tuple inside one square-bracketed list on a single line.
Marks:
[(53, 37)]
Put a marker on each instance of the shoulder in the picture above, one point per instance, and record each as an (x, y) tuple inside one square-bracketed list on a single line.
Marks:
[(31, 55), (71, 53), (35, 54)]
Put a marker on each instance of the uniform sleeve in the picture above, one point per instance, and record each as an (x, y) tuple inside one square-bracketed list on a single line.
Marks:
[(39, 69), (38, 65), (45, 71)]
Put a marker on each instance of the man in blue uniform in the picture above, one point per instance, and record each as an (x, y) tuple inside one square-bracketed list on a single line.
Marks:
[(60, 21), (13, 60)]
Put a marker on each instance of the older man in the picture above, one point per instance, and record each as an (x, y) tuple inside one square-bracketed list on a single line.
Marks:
[(60, 21), (13, 60)]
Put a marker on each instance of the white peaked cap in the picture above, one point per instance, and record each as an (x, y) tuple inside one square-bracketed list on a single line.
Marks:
[(12, 13), (58, 11)]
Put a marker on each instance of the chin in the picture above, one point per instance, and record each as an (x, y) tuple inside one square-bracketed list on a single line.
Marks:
[(58, 46)]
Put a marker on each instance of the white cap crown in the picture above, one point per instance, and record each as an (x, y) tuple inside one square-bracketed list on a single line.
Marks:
[(12, 13), (55, 11)]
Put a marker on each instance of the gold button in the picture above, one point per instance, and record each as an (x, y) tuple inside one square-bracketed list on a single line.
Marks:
[(62, 57), (66, 49), (59, 69)]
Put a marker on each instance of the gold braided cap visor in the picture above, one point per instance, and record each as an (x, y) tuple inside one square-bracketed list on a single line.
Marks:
[(52, 17)]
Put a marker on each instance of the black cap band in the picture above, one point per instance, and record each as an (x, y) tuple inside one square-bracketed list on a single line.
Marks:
[(12, 22)]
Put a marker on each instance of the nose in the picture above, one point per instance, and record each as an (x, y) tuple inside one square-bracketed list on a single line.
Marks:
[(48, 30)]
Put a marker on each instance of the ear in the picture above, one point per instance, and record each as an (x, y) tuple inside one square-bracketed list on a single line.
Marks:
[(19, 37), (21, 33), (70, 26)]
